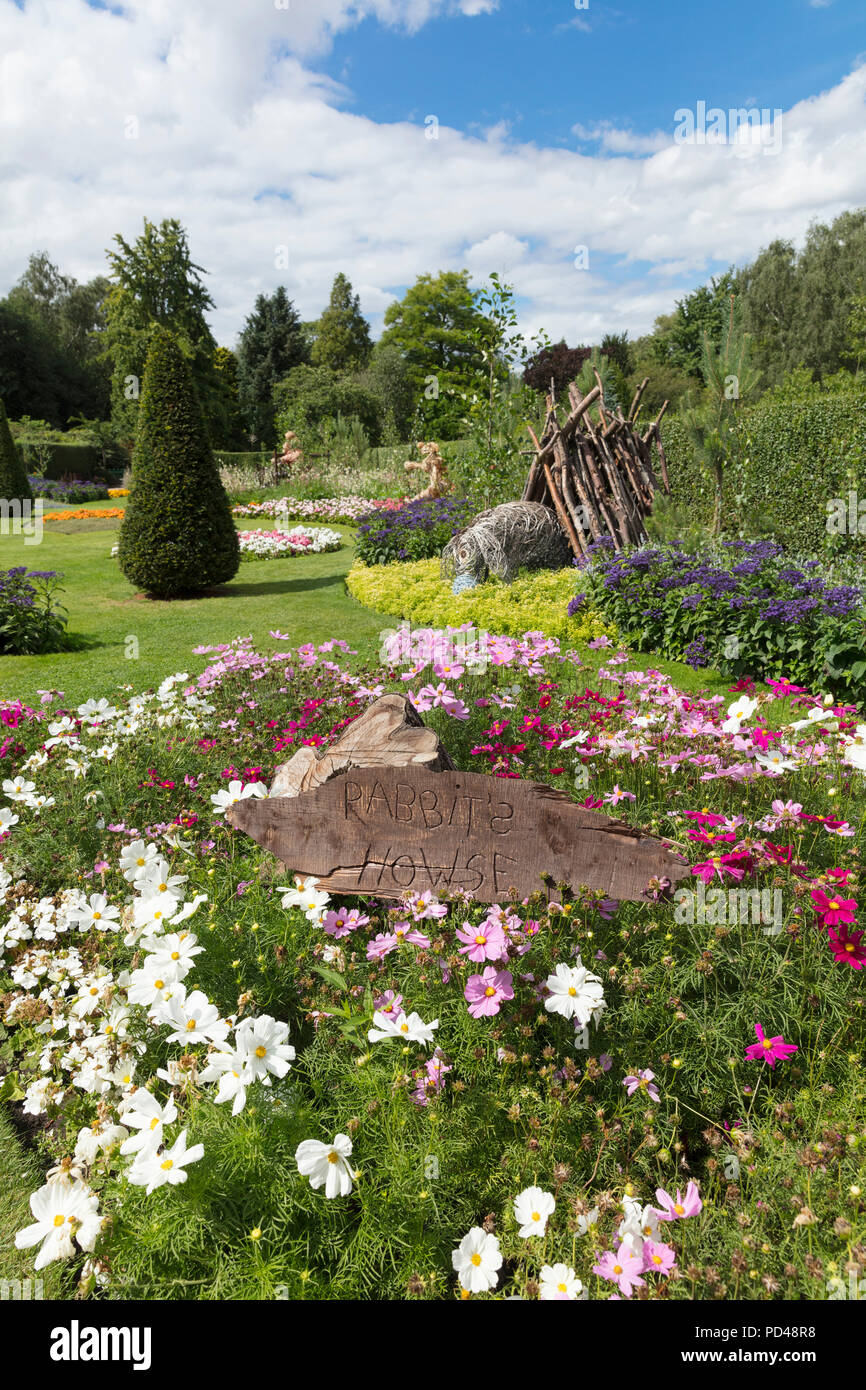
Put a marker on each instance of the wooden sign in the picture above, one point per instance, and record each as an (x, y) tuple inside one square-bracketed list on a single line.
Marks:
[(390, 830)]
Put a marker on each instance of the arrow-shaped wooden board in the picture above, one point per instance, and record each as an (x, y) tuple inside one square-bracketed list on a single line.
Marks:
[(387, 831)]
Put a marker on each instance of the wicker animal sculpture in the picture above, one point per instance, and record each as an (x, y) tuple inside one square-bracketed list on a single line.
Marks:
[(503, 540), (433, 465)]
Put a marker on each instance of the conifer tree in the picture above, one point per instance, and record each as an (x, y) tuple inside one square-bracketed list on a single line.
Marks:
[(177, 537)]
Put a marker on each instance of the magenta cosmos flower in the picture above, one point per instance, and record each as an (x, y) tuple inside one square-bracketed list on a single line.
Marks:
[(677, 1208), (643, 1081), (771, 1050), (623, 1268), (485, 992), (847, 947), (832, 911), (484, 942)]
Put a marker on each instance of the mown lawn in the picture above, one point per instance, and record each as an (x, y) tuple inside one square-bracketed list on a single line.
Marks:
[(302, 596)]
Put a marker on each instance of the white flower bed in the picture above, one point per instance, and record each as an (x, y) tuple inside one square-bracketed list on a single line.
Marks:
[(300, 540)]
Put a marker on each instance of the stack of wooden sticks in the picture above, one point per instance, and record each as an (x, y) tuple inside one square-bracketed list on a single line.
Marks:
[(597, 473)]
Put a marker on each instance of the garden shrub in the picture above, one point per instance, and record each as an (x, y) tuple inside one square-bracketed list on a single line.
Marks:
[(177, 536), (310, 397), (32, 620), (417, 531), (742, 607), (13, 475), (800, 452), (533, 603)]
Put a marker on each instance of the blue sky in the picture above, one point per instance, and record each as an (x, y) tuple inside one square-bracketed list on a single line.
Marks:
[(632, 62), (291, 143)]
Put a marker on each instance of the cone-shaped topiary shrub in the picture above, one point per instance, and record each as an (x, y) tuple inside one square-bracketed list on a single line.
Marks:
[(177, 536), (13, 475)]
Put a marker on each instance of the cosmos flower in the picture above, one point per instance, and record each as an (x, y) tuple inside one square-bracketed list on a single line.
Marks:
[(327, 1165), (477, 1261), (532, 1207), (769, 1050)]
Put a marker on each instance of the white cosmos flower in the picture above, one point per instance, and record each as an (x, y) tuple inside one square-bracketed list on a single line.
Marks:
[(559, 1282), (142, 1111), (194, 1019), (172, 953), (477, 1261), (18, 788), (854, 756), (231, 1071), (236, 791), (152, 989), (7, 818), (410, 1029), (575, 993), (776, 762), (57, 1207), (98, 913), (306, 894), (95, 1139), (640, 1223), (738, 713), (327, 1165), (153, 1168), (263, 1042), (532, 1207), (135, 858)]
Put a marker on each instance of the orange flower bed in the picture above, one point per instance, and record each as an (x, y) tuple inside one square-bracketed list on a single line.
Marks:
[(83, 514)]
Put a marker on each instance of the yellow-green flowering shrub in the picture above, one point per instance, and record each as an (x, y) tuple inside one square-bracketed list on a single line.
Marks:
[(533, 603)]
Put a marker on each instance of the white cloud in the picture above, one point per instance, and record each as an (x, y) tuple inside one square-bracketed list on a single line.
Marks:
[(242, 140)]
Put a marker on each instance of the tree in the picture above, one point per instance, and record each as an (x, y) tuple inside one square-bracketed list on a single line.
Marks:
[(387, 376), (54, 326), (177, 536), (154, 284), (309, 400), (271, 345), (766, 291), (14, 483), (556, 362), (830, 271), (698, 316), (227, 427), (713, 421), (433, 327), (342, 334)]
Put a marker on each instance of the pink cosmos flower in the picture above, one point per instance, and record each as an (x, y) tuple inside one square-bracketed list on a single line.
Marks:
[(623, 1268), (770, 1050), (485, 992), (389, 1004), (658, 1258), (341, 923), (484, 942), (832, 911), (643, 1081), (847, 947), (677, 1209)]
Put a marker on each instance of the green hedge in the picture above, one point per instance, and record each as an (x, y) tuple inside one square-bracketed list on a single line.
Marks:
[(799, 454), (76, 460), (229, 458)]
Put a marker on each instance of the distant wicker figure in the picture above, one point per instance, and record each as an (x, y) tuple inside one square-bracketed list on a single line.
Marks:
[(503, 540), (433, 466)]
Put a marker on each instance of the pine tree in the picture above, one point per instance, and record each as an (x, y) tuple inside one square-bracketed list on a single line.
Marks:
[(177, 537), (342, 333), (14, 484), (271, 344)]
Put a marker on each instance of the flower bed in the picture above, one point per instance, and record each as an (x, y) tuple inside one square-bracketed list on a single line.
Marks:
[(416, 531), (532, 602), (84, 514), (745, 609), (32, 619), (55, 491), (347, 509), (248, 1085), (302, 540)]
